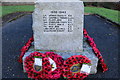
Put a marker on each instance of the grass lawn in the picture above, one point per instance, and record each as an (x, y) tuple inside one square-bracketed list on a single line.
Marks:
[(108, 13), (10, 9)]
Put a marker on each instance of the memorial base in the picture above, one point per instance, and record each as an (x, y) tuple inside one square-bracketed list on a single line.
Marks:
[(87, 51)]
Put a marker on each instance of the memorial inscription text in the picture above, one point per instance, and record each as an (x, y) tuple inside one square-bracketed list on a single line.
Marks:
[(58, 21)]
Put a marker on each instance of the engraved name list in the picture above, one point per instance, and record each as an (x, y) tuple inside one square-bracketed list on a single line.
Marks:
[(58, 21)]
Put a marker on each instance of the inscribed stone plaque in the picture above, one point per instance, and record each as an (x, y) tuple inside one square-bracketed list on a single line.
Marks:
[(58, 25)]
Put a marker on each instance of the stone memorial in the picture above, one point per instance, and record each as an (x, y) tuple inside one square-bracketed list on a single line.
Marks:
[(58, 26)]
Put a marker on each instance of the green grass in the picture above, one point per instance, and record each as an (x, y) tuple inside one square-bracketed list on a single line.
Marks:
[(11, 9), (108, 13)]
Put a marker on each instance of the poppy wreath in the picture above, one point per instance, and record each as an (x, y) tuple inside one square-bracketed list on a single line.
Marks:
[(59, 62), (96, 50), (73, 60), (29, 66)]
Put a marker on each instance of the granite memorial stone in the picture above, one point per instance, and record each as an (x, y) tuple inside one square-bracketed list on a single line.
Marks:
[(58, 25)]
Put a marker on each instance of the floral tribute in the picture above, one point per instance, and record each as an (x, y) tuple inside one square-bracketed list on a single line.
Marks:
[(45, 72), (25, 48), (96, 51), (29, 66), (73, 60), (59, 62)]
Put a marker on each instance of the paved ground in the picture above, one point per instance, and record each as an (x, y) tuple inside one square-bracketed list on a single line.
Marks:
[(16, 33), (13, 16)]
